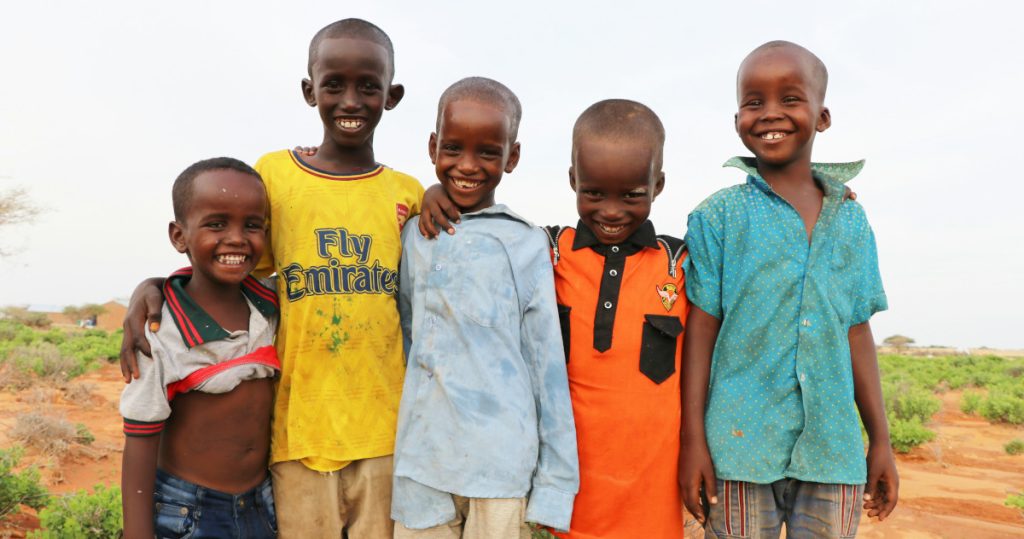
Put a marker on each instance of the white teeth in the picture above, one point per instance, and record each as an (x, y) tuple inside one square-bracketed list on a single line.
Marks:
[(774, 135), (611, 229), (346, 123), (231, 260), (466, 184)]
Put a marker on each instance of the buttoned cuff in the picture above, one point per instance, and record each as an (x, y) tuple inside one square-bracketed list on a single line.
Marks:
[(550, 507)]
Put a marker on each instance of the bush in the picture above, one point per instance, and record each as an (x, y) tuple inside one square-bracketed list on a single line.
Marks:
[(1014, 447), (82, 434), (1015, 500), (82, 515), (1004, 407), (906, 434), (915, 403), (18, 488), (970, 402), (51, 435), (25, 317), (46, 361)]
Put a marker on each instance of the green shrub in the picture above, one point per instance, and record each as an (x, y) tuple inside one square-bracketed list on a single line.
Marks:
[(1014, 447), (1015, 500), (970, 402), (915, 403), (82, 515), (1001, 406), (46, 361), (82, 434), (18, 488), (906, 434), (536, 532)]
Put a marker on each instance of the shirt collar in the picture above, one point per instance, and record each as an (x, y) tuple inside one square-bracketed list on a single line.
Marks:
[(643, 236), (831, 175), (194, 324), (497, 210)]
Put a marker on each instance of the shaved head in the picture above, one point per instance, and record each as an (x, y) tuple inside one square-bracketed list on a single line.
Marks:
[(487, 91), (621, 120), (816, 68), (353, 29)]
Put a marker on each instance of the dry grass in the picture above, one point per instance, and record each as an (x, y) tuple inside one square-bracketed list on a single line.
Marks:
[(49, 434), (80, 392)]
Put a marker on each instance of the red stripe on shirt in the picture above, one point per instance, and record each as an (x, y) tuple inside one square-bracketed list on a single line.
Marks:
[(266, 355)]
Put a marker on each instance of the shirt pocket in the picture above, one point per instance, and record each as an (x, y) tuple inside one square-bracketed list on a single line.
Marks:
[(563, 324), (844, 279), (658, 346), (485, 296)]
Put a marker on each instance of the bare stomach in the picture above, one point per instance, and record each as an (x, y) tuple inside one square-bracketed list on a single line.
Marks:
[(220, 441)]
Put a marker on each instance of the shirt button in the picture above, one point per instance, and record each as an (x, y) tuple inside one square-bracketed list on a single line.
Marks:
[(607, 305), (803, 377), (437, 267), (806, 323), (615, 248), (613, 273)]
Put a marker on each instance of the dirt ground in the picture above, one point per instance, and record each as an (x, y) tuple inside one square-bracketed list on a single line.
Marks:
[(953, 487)]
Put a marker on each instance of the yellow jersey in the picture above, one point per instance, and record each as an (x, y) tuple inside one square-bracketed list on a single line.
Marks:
[(335, 246)]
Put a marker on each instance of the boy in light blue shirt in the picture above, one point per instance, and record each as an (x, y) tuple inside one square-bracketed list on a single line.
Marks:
[(485, 418), (779, 358)]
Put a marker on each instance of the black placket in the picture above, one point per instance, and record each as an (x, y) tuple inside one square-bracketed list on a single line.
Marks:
[(608, 295)]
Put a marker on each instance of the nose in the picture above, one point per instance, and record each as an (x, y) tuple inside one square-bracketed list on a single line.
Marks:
[(612, 211), (234, 235), (771, 111), (350, 101), (467, 164)]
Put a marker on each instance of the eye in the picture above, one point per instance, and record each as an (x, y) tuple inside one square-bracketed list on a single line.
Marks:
[(216, 225), (490, 153), (333, 84), (637, 193), (590, 193), (369, 87), (753, 103), (255, 225), (790, 99), (450, 149)]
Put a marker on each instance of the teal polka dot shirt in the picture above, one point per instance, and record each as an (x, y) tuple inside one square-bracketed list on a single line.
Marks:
[(780, 400)]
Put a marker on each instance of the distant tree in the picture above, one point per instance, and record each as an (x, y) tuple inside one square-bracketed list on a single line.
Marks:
[(24, 316), (15, 208), (88, 311), (898, 341)]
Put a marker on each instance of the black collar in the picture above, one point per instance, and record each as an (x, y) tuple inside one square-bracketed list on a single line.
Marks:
[(642, 237)]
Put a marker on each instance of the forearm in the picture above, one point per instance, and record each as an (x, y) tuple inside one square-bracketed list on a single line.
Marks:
[(138, 477), (867, 385), (698, 347)]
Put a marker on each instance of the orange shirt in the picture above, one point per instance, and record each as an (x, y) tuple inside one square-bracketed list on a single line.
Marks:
[(622, 308)]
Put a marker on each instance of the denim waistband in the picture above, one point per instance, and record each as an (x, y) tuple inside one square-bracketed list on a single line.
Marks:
[(181, 489)]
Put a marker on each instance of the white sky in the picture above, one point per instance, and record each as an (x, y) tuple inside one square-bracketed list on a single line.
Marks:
[(102, 104)]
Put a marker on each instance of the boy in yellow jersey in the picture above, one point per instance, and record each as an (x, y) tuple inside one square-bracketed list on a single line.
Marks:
[(335, 244)]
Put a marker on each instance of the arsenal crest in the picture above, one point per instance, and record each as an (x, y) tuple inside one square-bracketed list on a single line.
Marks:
[(669, 295)]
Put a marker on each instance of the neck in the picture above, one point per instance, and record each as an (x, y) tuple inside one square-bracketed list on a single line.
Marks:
[(345, 159), (794, 174), (213, 297)]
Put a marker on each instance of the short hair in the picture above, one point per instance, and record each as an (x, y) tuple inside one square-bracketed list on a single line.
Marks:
[(355, 29), (819, 71), (484, 90), (181, 192), (621, 119)]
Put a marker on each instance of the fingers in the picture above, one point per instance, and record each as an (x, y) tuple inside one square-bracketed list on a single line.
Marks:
[(892, 494), (710, 487), (126, 357), (452, 213), (306, 151), (691, 499), (426, 225)]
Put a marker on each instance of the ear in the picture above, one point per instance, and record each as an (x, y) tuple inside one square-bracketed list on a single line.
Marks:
[(307, 92), (395, 94), (513, 158), (432, 148), (177, 235), (659, 184), (572, 178), (824, 120), (736, 122)]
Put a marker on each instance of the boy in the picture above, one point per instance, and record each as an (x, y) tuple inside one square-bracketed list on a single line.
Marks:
[(197, 421), (485, 417), (619, 289), (335, 245), (783, 277)]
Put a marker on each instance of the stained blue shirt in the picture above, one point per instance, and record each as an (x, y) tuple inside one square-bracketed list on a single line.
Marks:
[(780, 397), (485, 409)]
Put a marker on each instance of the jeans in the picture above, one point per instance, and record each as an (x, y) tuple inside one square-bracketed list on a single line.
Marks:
[(809, 510), (186, 510)]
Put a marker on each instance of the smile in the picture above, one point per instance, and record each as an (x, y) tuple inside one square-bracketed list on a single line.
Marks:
[(231, 260), (467, 185), (611, 229), (348, 124), (773, 135)]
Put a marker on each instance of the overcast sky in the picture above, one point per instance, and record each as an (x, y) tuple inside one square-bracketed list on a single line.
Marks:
[(102, 104)]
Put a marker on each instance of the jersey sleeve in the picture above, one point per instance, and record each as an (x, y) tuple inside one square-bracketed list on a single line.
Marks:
[(703, 266), (144, 404)]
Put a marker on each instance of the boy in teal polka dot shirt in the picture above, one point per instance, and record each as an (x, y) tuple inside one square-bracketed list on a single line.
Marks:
[(779, 358)]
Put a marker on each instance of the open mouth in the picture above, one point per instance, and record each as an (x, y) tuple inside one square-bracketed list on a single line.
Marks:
[(773, 135), (467, 185), (232, 260), (608, 229), (349, 124)]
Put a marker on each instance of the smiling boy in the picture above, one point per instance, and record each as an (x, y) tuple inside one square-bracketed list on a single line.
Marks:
[(197, 421), (485, 418), (783, 277)]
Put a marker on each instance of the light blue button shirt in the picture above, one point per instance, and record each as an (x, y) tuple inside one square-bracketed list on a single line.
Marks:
[(485, 409), (780, 401)]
